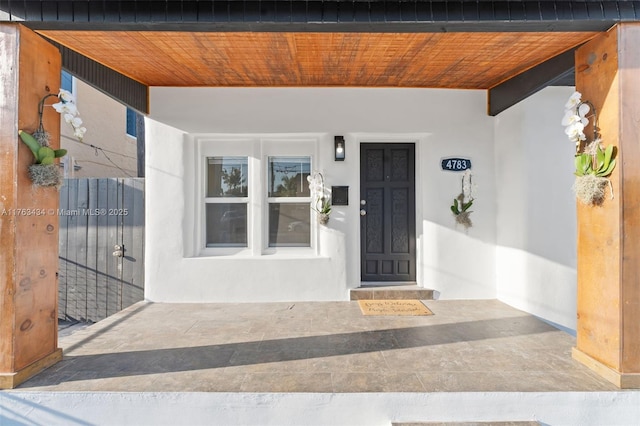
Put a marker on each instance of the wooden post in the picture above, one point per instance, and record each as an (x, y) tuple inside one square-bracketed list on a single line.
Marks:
[(29, 70), (608, 335)]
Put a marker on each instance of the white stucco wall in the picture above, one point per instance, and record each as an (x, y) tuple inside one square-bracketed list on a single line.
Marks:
[(536, 216), (456, 263)]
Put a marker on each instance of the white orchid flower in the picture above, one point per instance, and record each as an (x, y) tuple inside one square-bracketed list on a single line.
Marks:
[(466, 183), (583, 110), (65, 108), (68, 118), (570, 118), (59, 107), (71, 108), (576, 127), (66, 96), (575, 132), (76, 122), (79, 132), (574, 100)]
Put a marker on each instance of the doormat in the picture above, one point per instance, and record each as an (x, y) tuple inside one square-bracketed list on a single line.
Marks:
[(393, 307)]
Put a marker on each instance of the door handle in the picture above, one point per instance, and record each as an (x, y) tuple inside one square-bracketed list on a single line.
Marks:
[(119, 251), (363, 212)]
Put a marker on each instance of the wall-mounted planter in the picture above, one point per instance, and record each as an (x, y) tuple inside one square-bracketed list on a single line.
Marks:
[(593, 162), (44, 172), (463, 202), (45, 175)]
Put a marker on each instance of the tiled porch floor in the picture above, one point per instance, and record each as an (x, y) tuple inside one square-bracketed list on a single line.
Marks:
[(317, 347)]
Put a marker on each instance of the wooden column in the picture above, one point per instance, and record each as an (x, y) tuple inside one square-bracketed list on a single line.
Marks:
[(29, 70), (608, 335)]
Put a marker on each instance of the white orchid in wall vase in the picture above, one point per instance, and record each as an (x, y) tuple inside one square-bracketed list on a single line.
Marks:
[(44, 171), (463, 202), (594, 162), (320, 197)]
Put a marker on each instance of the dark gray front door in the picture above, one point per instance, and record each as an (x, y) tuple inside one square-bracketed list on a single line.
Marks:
[(387, 203)]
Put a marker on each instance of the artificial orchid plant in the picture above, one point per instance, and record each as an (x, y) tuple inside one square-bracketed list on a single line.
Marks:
[(43, 172), (320, 197), (463, 202), (594, 162)]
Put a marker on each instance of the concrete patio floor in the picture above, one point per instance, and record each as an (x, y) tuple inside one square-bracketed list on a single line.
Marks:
[(320, 347)]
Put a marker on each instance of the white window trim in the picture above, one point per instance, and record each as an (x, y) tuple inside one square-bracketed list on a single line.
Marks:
[(227, 147), (258, 149), (227, 200), (288, 147)]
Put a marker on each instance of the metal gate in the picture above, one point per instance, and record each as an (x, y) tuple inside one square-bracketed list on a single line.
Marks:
[(101, 247)]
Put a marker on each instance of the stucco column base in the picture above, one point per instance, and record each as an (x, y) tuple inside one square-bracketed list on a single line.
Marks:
[(12, 380), (621, 380)]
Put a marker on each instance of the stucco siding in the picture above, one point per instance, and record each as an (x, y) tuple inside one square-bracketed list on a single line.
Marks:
[(521, 245)]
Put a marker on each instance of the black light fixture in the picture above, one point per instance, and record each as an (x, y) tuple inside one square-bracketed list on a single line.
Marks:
[(339, 148)]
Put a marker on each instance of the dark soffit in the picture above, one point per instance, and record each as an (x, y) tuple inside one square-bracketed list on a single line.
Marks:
[(386, 16)]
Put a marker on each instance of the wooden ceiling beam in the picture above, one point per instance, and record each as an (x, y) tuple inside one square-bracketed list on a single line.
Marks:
[(525, 84)]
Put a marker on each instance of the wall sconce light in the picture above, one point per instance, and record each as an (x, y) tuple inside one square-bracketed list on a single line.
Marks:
[(339, 148)]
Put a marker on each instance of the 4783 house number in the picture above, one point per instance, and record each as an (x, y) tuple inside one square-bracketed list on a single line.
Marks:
[(456, 164)]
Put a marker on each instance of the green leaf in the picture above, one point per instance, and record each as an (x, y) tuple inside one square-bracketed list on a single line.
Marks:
[(466, 206), (599, 158), (583, 164), (45, 152), (606, 166), (59, 153), (578, 165), (31, 142), (608, 154), (608, 170), (46, 160), (454, 207)]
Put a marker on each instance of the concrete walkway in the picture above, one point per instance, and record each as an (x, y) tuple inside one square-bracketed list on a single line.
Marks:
[(327, 347)]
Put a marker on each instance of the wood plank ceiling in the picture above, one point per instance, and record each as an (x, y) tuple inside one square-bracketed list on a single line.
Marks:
[(437, 60)]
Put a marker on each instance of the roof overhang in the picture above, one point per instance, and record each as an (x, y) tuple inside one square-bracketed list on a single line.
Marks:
[(511, 49), (292, 15)]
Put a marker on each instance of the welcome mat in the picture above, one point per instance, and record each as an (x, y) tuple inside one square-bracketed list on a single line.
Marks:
[(393, 307)]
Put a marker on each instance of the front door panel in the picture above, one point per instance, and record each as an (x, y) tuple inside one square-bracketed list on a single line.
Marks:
[(387, 194)]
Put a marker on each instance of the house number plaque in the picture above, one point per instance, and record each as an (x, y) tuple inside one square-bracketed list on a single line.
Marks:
[(455, 164)]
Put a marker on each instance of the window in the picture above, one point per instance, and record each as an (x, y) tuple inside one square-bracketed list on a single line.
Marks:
[(226, 201), (253, 195), (66, 81), (131, 122), (288, 199)]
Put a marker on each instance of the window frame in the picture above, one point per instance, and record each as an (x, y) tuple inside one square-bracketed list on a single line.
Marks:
[(287, 147), (284, 200), (72, 79), (131, 114), (226, 200), (258, 150), (209, 148)]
